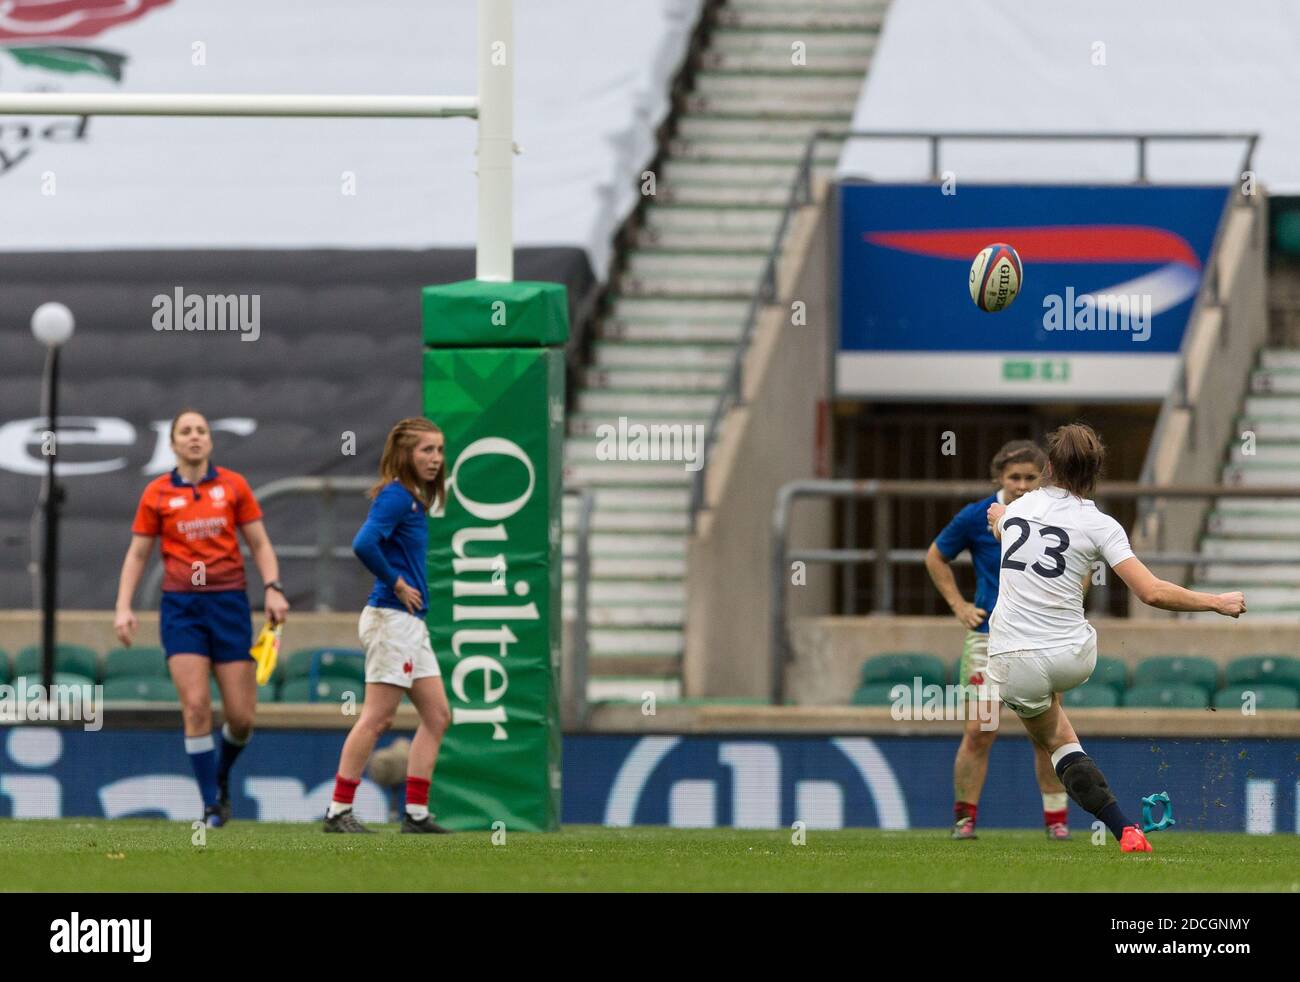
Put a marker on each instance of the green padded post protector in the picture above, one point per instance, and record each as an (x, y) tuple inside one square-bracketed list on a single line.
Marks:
[(494, 383)]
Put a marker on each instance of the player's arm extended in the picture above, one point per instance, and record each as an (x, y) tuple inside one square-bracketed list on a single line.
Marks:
[(1155, 592)]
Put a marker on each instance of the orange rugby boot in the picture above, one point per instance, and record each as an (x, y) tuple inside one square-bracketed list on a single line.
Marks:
[(1133, 840)]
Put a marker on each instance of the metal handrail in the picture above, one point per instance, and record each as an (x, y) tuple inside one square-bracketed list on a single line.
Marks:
[(882, 493), (577, 677), (325, 552), (1177, 398), (801, 194)]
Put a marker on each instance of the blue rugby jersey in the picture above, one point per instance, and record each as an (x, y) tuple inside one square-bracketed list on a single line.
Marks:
[(969, 529), (392, 543)]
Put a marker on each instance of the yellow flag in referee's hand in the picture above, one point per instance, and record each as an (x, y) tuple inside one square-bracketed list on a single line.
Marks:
[(265, 651)]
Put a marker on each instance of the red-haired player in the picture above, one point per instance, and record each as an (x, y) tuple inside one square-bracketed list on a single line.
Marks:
[(399, 658)]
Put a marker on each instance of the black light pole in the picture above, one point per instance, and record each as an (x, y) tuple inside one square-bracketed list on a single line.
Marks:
[(52, 324)]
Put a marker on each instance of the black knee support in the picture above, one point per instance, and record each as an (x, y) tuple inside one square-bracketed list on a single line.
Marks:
[(1084, 783)]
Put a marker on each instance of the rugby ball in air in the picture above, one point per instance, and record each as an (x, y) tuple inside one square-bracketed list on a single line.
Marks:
[(995, 277)]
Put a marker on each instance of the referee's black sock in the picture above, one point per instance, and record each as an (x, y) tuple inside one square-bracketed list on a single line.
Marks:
[(230, 751), (1086, 786)]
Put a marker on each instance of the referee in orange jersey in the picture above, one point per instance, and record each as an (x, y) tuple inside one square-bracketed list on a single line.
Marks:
[(204, 618)]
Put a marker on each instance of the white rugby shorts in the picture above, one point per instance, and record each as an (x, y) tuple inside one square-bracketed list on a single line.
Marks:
[(397, 647), (1025, 680)]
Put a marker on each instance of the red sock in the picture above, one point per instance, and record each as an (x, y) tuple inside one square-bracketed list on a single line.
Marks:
[(1056, 818), (417, 791), (964, 809), (345, 790)]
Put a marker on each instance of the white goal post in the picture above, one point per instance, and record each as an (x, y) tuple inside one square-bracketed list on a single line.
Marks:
[(493, 108)]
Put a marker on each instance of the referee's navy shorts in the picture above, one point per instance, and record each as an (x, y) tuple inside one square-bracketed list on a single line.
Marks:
[(218, 625)]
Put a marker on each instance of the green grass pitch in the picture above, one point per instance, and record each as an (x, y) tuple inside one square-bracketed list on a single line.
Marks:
[(80, 855)]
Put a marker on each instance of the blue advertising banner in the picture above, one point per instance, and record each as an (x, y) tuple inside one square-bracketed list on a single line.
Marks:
[(283, 775), (1236, 785), (1110, 278), (906, 782)]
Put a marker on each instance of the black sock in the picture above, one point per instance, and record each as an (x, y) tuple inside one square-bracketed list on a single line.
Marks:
[(230, 752), (1087, 789), (1114, 819)]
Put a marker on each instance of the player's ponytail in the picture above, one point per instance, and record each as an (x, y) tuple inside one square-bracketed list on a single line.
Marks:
[(396, 465), (1075, 455)]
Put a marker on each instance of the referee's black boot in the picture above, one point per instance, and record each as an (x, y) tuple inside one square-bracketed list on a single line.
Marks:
[(223, 798), (425, 826)]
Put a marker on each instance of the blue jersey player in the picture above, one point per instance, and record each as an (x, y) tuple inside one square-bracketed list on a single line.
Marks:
[(399, 658), (1016, 469)]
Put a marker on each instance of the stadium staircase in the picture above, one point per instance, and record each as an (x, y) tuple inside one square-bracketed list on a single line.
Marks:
[(1244, 527), (677, 305)]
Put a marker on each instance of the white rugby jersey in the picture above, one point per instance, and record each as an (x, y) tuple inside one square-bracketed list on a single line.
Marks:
[(1050, 539)]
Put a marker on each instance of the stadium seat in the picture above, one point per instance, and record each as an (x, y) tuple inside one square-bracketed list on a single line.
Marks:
[(1111, 672), (142, 688), (875, 694), (324, 690), (74, 658), (903, 666), (1092, 695), (1166, 696), (1280, 670), (1286, 232), (1266, 696), (135, 663), (1178, 670), (344, 663)]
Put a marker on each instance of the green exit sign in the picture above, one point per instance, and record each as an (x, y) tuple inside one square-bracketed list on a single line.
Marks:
[(1036, 370)]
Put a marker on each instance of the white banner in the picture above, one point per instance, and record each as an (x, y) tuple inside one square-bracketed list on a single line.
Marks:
[(592, 86), (1109, 66), (1006, 377)]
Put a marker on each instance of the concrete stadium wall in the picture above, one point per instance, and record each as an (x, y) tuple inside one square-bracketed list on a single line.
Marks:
[(94, 628), (1221, 346), (770, 440), (829, 651)]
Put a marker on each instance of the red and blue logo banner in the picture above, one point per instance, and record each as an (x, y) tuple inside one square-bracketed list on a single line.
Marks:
[(1111, 275)]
